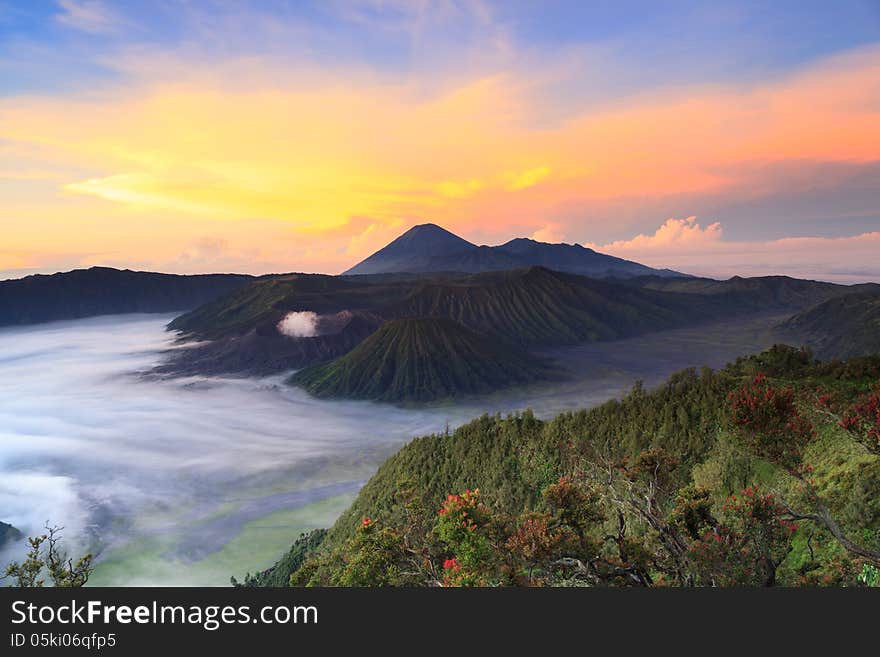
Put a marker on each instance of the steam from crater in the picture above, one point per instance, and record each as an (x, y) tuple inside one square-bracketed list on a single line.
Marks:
[(302, 324), (307, 324)]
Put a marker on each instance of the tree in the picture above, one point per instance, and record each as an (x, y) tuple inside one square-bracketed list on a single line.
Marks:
[(46, 554), (746, 546), (862, 421), (768, 422)]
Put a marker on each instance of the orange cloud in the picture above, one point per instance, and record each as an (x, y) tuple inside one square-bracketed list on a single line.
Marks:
[(149, 168), (674, 236)]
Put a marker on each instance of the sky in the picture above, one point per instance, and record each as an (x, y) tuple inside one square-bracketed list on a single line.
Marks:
[(717, 138)]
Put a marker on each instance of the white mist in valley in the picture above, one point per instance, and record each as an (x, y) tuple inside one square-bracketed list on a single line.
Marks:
[(157, 472), (189, 481)]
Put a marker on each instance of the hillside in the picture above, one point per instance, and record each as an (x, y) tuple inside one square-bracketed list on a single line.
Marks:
[(105, 291), (421, 359), (536, 306), (757, 293), (540, 498), (532, 308), (529, 307), (842, 327), (429, 248), (8, 533), (262, 304)]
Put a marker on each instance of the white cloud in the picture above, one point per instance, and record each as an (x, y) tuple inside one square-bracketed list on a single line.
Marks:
[(552, 232), (685, 245)]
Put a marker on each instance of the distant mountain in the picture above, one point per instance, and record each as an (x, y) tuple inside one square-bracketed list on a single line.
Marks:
[(512, 310), (8, 534), (576, 259), (430, 248), (422, 359), (757, 293), (530, 307), (106, 291), (842, 327), (410, 251)]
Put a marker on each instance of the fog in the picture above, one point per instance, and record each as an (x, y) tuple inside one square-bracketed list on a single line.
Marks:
[(115, 457), (185, 481)]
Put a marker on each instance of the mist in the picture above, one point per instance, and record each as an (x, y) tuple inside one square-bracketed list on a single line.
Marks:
[(125, 461), (189, 481)]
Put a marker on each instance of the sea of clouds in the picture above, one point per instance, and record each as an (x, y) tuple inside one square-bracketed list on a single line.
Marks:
[(88, 443)]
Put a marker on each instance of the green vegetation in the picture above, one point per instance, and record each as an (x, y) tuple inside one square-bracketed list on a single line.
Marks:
[(46, 557), (279, 574), (158, 559), (423, 359), (766, 472)]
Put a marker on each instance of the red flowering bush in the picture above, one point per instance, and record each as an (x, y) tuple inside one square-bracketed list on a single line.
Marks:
[(746, 547), (862, 420), (768, 420), (460, 524)]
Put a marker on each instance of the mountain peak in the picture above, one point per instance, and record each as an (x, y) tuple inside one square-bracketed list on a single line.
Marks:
[(410, 250), (431, 248), (428, 227)]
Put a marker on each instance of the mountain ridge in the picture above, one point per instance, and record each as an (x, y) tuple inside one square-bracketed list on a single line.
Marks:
[(107, 291), (432, 248), (841, 327)]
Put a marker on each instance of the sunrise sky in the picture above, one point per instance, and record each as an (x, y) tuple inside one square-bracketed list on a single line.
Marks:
[(190, 136)]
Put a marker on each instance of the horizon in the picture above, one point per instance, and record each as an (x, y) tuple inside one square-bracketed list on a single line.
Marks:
[(429, 224), (736, 139)]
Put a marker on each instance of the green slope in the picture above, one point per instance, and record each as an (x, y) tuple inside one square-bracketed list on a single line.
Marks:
[(421, 359), (511, 460), (840, 328), (537, 306), (260, 305)]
